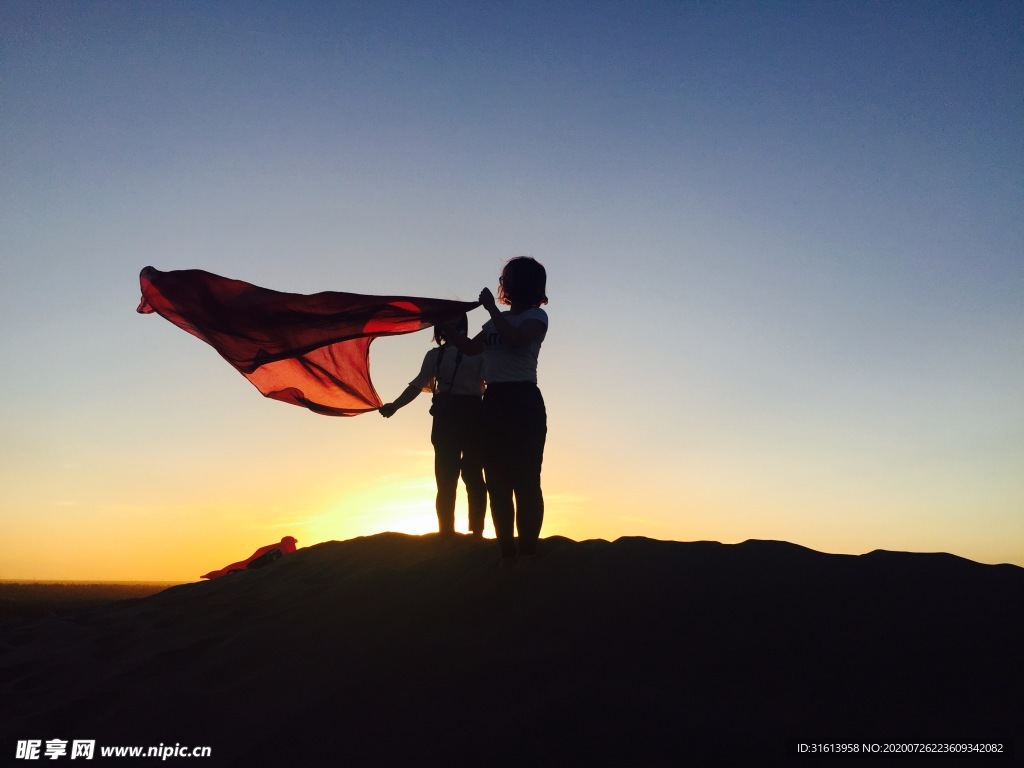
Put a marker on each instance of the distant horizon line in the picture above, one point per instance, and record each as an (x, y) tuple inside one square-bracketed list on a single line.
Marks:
[(179, 581)]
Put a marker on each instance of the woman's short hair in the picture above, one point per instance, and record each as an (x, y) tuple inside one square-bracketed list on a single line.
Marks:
[(461, 325), (523, 281)]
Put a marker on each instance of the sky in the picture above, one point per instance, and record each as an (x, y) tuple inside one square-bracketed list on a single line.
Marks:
[(784, 244)]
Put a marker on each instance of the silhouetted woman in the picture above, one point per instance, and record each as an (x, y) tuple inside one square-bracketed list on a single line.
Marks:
[(514, 418), (456, 381)]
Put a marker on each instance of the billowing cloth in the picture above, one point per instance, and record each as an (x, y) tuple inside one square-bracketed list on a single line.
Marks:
[(309, 350), (261, 557)]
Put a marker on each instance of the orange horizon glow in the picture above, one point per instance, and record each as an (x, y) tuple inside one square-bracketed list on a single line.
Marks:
[(774, 314), (402, 503)]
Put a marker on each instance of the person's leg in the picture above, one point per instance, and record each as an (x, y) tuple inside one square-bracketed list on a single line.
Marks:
[(495, 420), (526, 483), (503, 511), (473, 469), (446, 473), (476, 492), (529, 516)]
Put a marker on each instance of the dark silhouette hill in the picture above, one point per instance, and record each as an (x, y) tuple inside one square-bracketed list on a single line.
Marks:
[(404, 650)]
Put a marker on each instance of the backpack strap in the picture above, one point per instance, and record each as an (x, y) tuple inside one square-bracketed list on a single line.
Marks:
[(437, 370)]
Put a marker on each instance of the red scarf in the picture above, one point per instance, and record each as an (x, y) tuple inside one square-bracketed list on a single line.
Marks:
[(310, 350)]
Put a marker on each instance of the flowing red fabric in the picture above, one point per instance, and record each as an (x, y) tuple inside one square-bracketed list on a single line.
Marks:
[(286, 546), (309, 350)]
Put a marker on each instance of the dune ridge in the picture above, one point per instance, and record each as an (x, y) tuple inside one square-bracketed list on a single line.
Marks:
[(389, 648)]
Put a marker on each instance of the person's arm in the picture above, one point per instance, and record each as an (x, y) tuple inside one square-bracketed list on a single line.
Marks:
[(388, 409), (513, 335), (465, 345)]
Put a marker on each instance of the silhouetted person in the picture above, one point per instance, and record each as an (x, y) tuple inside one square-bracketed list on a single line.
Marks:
[(456, 381), (514, 418)]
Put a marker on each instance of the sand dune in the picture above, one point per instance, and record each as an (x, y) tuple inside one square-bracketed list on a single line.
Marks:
[(398, 650)]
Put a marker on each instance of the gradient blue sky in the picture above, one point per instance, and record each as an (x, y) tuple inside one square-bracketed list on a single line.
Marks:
[(785, 248)]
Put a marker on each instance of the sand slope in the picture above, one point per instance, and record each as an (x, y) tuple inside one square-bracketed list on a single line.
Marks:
[(391, 648)]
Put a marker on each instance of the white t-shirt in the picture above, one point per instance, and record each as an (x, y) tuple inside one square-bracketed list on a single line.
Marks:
[(505, 363), (463, 376)]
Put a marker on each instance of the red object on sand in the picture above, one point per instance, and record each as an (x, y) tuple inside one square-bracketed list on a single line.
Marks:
[(309, 350), (285, 546)]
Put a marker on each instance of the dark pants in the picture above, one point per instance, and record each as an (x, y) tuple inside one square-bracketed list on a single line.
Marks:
[(515, 428), (456, 439)]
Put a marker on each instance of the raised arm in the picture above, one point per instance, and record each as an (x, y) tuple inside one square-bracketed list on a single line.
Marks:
[(513, 335), (465, 345)]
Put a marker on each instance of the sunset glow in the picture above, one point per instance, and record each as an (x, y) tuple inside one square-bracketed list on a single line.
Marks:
[(783, 246)]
